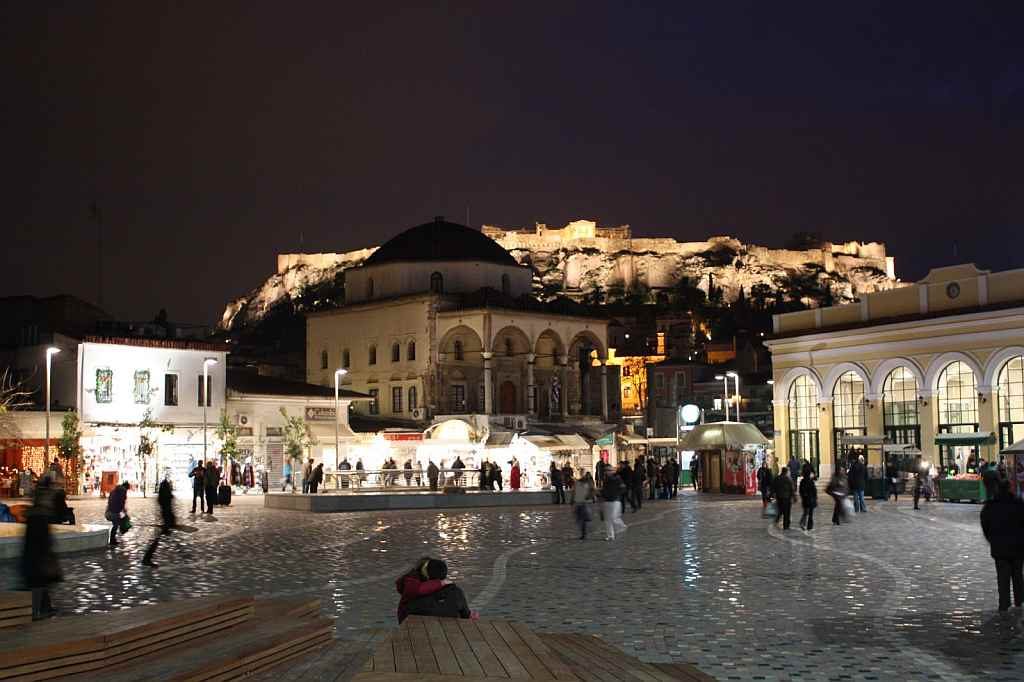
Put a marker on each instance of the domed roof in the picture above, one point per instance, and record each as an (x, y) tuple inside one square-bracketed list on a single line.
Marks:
[(441, 241)]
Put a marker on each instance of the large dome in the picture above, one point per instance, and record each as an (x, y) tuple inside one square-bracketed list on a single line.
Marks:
[(441, 241)]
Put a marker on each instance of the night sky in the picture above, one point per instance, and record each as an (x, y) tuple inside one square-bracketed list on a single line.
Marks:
[(214, 136)]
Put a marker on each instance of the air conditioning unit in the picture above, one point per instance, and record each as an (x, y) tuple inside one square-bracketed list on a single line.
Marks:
[(520, 423), (243, 419), (418, 413)]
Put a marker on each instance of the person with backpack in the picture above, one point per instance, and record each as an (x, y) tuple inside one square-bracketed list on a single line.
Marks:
[(808, 498), (784, 497), (611, 505), (1002, 521)]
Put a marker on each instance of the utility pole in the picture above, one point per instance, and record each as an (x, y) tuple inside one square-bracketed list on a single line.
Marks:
[(96, 215)]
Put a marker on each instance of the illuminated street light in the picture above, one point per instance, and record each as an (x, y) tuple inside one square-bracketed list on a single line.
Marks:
[(206, 398), (725, 381), (50, 352), (338, 373)]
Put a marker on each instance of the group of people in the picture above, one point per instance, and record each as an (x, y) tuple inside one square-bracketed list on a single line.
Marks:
[(206, 479), (799, 480)]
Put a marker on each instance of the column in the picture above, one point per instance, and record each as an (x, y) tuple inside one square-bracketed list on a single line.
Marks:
[(563, 394), (875, 427), (531, 388), (604, 391), (928, 413), (988, 413), (488, 393), (825, 436)]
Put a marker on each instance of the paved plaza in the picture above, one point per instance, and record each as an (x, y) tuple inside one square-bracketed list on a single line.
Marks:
[(704, 579)]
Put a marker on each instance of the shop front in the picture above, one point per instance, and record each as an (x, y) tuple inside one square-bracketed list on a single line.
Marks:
[(728, 454), (960, 478)]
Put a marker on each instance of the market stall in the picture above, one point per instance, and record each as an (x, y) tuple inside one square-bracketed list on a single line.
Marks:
[(960, 480), (727, 453), (1015, 467)]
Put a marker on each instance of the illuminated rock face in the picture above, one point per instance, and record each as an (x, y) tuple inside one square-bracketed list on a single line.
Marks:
[(591, 263)]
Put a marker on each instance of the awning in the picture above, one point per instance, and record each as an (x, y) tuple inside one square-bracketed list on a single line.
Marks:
[(630, 439), (499, 439), (556, 443), (975, 438), (863, 440), (323, 433), (901, 448), (1015, 449), (722, 436)]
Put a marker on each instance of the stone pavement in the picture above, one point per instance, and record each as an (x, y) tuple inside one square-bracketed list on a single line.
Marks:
[(704, 580)]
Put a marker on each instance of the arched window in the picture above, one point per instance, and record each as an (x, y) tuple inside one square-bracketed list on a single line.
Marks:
[(410, 351), (1011, 402), (436, 283), (803, 420), (848, 418), (369, 288), (506, 285), (396, 352), (900, 408), (323, 359), (346, 359), (413, 400), (372, 359), (509, 347), (958, 411), (457, 351)]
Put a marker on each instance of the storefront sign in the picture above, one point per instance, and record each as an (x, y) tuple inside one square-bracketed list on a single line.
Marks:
[(320, 414), (402, 436)]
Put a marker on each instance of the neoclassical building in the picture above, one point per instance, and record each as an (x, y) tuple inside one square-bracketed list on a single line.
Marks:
[(942, 356), (439, 320)]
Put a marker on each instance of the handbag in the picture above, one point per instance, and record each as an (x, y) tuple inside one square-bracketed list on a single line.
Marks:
[(125, 525)]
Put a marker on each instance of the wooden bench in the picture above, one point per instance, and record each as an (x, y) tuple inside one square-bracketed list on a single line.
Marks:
[(15, 609), (443, 649)]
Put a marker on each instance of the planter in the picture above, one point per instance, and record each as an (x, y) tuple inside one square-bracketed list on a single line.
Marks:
[(951, 490)]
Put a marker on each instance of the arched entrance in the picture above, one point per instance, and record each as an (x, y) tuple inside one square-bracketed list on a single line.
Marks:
[(507, 398)]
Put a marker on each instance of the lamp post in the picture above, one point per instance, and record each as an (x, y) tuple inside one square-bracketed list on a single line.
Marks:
[(725, 382), (50, 352), (739, 398), (206, 385), (338, 373)]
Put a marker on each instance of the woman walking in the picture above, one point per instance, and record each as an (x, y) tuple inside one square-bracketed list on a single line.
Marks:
[(837, 490), (808, 498), (582, 496)]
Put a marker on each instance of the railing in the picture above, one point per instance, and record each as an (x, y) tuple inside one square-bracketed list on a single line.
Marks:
[(403, 479)]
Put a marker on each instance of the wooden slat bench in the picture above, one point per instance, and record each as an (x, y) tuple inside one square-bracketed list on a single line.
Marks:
[(594, 660), (15, 609)]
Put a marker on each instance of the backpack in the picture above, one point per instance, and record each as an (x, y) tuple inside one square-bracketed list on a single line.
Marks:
[(448, 602)]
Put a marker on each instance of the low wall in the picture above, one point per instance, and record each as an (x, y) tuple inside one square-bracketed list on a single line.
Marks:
[(66, 539), (350, 502)]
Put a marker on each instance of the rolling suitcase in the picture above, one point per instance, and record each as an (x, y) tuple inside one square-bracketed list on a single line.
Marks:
[(224, 495)]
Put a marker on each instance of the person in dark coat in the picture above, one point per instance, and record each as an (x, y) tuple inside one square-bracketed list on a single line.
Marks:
[(857, 479), (117, 503), (164, 500), (675, 468), (39, 565), (197, 487), (784, 490), (1002, 521), (694, 471), (626, 475), (496, 478), (316, 478), (457, 467), (558, 483), (211, 477), (432, 474), (808, 498), (892, 475), (637, 487), (408, 473), (837, 491), (652, 478), (764, 483)]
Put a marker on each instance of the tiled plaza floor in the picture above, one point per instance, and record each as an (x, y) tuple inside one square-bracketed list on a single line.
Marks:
[(895, 594)]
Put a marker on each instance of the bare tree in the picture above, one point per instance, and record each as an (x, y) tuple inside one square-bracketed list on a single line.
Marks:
[(13, 396)]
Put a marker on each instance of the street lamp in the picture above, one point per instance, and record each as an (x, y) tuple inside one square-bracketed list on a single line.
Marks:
[(50, 352), (206, 387), (338, 373), (739, 398), (725, 381)]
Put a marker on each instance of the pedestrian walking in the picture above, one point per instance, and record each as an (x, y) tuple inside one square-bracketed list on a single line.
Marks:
[(39, 565), (857, 479), (117, 505), (1002, 521), (892, 474), (165, 501), (316, 478), (694, 470), (920, 481), (197, 487), (784, 490), (836, 489), (307, 473), (582, 497), (637, 487), (675, 469), (793, 468), (611, 505), (626, 477), (764, 484), (211, 479), (808, 498), (652, 478), (286, 477)]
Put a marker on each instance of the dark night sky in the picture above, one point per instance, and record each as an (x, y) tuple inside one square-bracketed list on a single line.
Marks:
[(217, 135)]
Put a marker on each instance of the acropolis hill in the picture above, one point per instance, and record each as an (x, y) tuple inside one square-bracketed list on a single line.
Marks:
[(582, 259)]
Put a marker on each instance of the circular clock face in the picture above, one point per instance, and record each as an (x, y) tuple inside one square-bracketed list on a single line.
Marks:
[(953, 290)]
